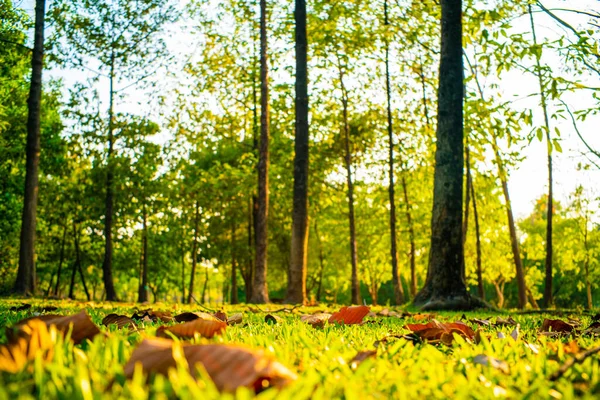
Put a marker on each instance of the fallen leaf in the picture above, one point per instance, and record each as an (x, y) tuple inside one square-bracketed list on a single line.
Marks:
[(556, 325), (21, 307), (422, 317), (360, 357), (229, 366), (234, 319), (121, 321), (484, 360), (349, 315), (316, 320), (191, 316), (505, 321), (33, 337), (221, 315), (515, 333), (481, 322), (437, 331), (83, 327), (154, 316), (570, 348), (272, 319), (203, 327)]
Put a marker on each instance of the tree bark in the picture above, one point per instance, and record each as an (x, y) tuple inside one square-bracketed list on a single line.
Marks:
[(61, 259), (548, 297), (183, 271), (445, 287), (194, 253), (355, 285), (26, 275), (143, 288), (234, 289), (398, 290), (79, 262), (296, 291), (111, 294), (411, 236), (480, 288), (260, 292)]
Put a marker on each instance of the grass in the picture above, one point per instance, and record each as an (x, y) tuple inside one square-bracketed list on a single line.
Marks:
[(320, 357)]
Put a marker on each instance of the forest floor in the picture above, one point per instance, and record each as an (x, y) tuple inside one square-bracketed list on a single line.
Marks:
[(391, 353)]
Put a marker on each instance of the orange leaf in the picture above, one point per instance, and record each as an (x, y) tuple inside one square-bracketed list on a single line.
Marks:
[(83, 327), (121, 321), (32, 337), (187, 330), (349, 315), (229, 366), (436, 330)]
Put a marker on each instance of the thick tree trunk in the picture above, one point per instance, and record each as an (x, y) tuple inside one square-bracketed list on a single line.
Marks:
[(445, 287), (260, 292), (548, 300), (234, 289), (296, 291), (26, 275), (111, 294), (355, 285), (194, 253), (61, 259), (480, 288), (398, 290), (143, 288)]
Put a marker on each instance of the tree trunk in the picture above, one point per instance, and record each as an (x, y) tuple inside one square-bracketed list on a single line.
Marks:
[(194, 253), (586, 265), (61, 259), (26, 276), (548, 299), (411, 236), (79, 262), (355, 285), (111, 294), (260, 292), (499, 293), (480, 288), (445, 287), (182, 271), (234, 289), (248, 272), (143, 288), (296, 292), (398, 290), (467, 197), (321, 262), (204, 297)]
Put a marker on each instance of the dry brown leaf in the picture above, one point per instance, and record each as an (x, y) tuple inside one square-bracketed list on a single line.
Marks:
[(235, 319), (32, 337), (556, 325), (316, 320), (187, 330), (229, 366), (191, 316), (349, 315), (273, 319), (22, 307), (121, 321), (360, 357), (83, 327), (505, 321), (221, 315), (422, 317), (437, 331), (154, 316)]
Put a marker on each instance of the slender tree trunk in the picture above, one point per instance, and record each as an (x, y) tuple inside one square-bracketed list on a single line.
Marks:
[(61, 259), (411, 236), (26, 275), (296, 292), (234, 289), (182, 271), (445, 287), (143, 288), (398, 290), (480, 288), (111, 294), (76, 263), (499, 294), (548, 300), (79, 261), (248, 274), (205, 286), (355, 285), (467, 196), (321, 261), (194, 253), (534, 303), (586, 265), (260, 292)]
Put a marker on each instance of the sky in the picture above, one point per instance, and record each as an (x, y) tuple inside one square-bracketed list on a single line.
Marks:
[(528, 180)]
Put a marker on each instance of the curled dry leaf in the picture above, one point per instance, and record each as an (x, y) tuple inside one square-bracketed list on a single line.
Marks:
[(154, 316), (221, 316), (505, 321), (33, 337), (273, 319), (556, 325), (316, 320), (187, 330), (191, 316), (229, 366), (235, 319), (121, 321), (83, 327), (484, 360), (437, 331), (360, 357), (349, 315)]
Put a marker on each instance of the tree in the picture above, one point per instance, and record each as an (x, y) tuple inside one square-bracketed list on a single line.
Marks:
[(445, 287), (117, 36), (296, 292), (260, 292), (26, 276)]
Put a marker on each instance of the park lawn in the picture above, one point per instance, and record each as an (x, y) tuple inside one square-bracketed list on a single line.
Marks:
[(321, 358)]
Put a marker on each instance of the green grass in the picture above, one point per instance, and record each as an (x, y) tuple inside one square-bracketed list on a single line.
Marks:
[(320, 357)]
